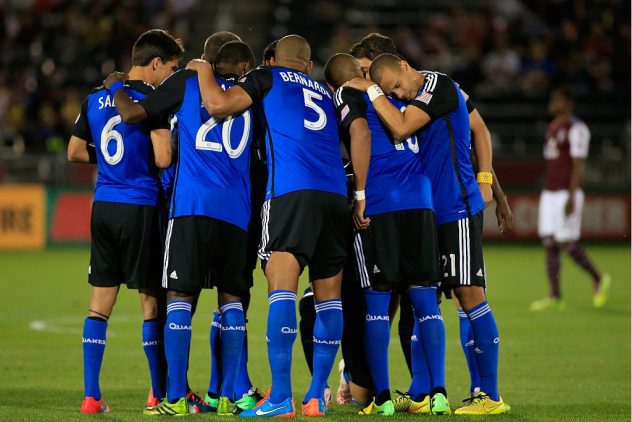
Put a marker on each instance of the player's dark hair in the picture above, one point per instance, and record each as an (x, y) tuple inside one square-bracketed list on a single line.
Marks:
[(341, 68), (360, 50), (381, 62), (234, 52), (268, 52), (566, 92), (156, 43), (379, 44), (215, 42)]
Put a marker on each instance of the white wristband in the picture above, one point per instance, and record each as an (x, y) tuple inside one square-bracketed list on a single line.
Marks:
[(374, 92), (359, 195)]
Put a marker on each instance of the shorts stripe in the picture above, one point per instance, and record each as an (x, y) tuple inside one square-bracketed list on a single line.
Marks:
[(359, 251), (265, 233), (165, 262), (464, 252), (468, 266)]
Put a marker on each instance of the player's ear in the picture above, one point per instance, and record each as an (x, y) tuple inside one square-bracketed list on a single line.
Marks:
[(203, 56), (155, 62), (308, 68), (404, 65)]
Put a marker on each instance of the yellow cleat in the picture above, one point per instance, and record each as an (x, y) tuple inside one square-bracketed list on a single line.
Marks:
[(547, 303), (482, 405), (405, 404), (600, 298), (385, 409)]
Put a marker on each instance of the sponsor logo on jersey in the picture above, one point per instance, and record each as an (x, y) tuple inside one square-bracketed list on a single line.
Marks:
[(429, 317), (174, 326), (288, 330), (93, 341)]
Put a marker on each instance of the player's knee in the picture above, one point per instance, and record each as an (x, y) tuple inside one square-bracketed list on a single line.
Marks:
[(470, 296), (175, 295), (225, 297), (548, 242)]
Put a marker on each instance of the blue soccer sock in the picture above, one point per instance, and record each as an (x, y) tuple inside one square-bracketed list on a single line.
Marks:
[(93, 340), (486, 343), (420, 383), (215, 380), (467, 343), (242, 382), (327, 337), (432, 331), (281, 334), (177, 342), (377, 332), (233, 331), (153, 345)]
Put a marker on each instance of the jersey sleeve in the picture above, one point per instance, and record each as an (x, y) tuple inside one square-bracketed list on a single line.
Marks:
[(579, 140), (350, 105), (256, 83), (166, 99), (468, 102), (437, 96), (81, 128)]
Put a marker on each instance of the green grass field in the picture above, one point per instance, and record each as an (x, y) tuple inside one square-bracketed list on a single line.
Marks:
[(560, 365)]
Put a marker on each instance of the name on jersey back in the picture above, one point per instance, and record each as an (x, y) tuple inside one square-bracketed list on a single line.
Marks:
[(300, 79)]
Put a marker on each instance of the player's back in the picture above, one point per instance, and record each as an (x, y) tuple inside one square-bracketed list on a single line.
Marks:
[(302, 142), (125, 157), (446, 150), (564, 140)]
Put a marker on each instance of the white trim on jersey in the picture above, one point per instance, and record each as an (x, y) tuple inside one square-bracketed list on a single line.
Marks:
[(365, 281), (265, 234), (165, 260), (578, 139)]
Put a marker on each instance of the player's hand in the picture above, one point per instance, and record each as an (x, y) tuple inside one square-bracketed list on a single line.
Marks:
[(486, 191), (504, 216), (359, 84), (199, 65), (361, 222), (113, 77), (570, 206)]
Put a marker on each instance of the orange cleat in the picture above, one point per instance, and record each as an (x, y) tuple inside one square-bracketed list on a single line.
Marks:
[(314, 407), (90, 405)]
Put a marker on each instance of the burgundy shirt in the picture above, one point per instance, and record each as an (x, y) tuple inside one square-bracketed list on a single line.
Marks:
[(564, 141)]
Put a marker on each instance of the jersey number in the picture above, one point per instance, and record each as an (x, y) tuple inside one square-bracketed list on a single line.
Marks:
[(201, 143), (108, 133), (413, 145), (451, 260), (309, 103)]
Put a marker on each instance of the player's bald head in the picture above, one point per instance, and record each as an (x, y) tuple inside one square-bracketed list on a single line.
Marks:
[(215, 42), (293, 51), (383, 62), (341, 68)]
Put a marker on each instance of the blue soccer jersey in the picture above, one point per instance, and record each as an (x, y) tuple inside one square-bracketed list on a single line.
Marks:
[(445, 149), (212, 173), (125, 157), (302, 143), (395, 180)]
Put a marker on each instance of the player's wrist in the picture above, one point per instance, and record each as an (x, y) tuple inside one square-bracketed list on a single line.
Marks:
[(116, 86), (359, 195), (485, 177), (374, 92)]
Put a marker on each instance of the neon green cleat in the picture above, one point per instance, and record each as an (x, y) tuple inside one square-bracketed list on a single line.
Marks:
[(482, 405), (600, 298), (385, 409), (439, 404), (547, 303), (211, 402), (405, 404), (179, 408), (248, 401), (225, 407)]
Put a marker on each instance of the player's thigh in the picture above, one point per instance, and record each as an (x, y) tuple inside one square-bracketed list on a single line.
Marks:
[(105, 268), (569, 229), (331, 240), (461, 249), (550, 212), (187, 254), (230, 258), (377, 250), (419, 247)]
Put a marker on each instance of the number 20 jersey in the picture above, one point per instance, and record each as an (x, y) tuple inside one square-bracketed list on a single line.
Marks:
[(125, 157), (301, 131), (212, 174)]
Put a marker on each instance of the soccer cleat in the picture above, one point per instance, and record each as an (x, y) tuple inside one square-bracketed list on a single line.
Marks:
[(482, 405), (90, 405), (212, 402), (314, 407), (225, 407), (248, 400), (267, 409), (197, 405), (601, 295), (266, 394), (151, 400), (385, 409), (179, 408), (547, 303), (405, 404), (439, 404)]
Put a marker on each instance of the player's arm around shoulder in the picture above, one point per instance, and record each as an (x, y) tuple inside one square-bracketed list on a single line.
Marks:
[(129, 111), (218, 103)]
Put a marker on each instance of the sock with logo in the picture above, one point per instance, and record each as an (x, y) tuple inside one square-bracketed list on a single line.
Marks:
[(153, 345), (424, 300), (93, 339), (486, 343), (281, 334), (177, 342), (420, 382), (233, 330), (327, 337), (242, 382), (467, 343), (377, 331), (216, 354)]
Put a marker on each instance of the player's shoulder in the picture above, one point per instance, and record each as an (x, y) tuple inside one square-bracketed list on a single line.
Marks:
[(140, 86), (345, 95), (575, 121), (433, 80)]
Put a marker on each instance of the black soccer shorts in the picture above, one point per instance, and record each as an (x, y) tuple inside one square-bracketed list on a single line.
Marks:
[(312, 225), (125, 246)]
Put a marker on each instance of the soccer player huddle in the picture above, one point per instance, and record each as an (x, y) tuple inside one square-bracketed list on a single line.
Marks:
[(369, 179)]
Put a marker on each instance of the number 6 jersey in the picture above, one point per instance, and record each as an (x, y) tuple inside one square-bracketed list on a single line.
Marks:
[(212, 174), (125, 157), (301, 131)]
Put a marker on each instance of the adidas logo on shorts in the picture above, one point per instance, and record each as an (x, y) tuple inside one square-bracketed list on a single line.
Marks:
[(479, 273), (173, 275), (376, 269)]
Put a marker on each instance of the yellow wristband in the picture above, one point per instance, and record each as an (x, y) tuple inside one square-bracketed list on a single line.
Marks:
[(484, 177)]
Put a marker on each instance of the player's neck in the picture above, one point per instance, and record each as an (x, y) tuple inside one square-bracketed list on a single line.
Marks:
[(140, 73), (562, 117)]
